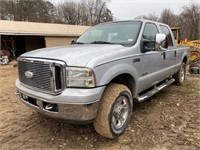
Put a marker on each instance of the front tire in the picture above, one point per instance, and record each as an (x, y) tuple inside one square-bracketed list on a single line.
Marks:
[(114, 112), (180, 75)]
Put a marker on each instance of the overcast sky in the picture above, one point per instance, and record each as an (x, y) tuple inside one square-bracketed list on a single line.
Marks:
[(130, 9)]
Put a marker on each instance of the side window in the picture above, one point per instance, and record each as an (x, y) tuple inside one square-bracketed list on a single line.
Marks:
[(165, 30), (150, 31), (149, 34)]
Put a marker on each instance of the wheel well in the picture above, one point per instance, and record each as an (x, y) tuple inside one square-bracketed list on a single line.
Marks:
[(127, 80)]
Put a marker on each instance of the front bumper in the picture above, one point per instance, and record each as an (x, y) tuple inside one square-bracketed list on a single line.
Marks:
[(72, 104)]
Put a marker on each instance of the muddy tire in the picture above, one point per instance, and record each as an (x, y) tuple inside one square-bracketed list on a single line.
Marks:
[(114, 112), (180, 75)]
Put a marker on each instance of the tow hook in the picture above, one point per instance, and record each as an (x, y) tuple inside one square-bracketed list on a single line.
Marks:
[(51, 107)]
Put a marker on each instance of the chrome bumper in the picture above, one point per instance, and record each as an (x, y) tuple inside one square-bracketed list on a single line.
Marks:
[(70, 109)]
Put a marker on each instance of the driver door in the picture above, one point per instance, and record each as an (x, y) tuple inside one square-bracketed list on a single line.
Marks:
[(152, 62)]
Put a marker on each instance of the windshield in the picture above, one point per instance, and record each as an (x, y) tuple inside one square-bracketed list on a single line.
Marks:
[(124, 33)]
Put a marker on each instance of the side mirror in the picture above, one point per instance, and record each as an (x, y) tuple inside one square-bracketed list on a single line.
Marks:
[(161, 42)]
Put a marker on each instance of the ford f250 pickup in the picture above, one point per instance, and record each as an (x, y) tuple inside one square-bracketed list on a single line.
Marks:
[(99, 76)]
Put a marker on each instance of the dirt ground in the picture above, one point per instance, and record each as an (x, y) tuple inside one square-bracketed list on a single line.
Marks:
[(168, 120)]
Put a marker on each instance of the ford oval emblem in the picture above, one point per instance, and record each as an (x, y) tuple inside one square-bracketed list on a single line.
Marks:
[(28, 74)]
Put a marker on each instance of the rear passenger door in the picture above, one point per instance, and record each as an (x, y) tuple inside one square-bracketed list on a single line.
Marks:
[(171, 51)]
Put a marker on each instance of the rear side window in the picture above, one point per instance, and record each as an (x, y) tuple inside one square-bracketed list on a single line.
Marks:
[(165, 30)]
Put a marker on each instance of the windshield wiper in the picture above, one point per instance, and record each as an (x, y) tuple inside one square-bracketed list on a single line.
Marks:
[(101, 42), (79, 43), (75, 42)]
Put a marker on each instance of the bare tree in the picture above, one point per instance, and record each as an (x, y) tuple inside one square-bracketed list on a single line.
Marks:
[(98, 11), (25, 10), (68, 12), (190, 21), (153, 17), (168, 17), (89, 12)]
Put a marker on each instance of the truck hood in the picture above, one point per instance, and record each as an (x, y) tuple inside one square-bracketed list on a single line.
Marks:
[(75, 55)]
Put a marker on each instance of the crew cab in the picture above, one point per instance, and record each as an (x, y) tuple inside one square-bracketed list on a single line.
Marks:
[(99, 76)]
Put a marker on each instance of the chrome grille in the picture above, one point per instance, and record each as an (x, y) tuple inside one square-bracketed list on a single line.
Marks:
[(47, 76)]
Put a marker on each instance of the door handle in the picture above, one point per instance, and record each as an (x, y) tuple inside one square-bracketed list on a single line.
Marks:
[(175, 53), (164, 55)]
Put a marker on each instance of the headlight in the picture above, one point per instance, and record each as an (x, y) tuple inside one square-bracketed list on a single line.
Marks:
[(80, 77)]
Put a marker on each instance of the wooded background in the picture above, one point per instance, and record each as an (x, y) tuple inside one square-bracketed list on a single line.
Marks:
[(92, 12)]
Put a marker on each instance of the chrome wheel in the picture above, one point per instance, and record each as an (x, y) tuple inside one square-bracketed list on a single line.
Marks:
[(180, 76), (120, 112)]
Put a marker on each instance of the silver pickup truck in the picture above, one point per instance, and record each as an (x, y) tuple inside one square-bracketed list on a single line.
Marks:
[(99, 76)]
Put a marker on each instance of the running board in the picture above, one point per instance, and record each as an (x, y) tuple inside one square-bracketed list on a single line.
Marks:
[(155, 90)]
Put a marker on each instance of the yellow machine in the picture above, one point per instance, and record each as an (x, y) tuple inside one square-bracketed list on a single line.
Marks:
[(194, 56), (194, 45)]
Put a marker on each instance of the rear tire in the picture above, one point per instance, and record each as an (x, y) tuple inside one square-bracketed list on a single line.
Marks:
[(180, 75), (114, 112)]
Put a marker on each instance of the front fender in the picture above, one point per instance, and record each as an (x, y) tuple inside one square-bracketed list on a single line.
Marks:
[(106, 73)]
